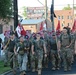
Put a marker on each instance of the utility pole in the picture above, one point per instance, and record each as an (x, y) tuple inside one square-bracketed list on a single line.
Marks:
[(53, 15), (46, 9), (46, 12), (15, 13), (73, 10)]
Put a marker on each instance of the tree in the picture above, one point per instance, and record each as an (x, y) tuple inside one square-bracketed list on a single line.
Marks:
[(24, 12), (5, 8), (67, 8)]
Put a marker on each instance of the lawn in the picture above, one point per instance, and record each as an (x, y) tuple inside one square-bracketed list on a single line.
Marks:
[(2, 68)]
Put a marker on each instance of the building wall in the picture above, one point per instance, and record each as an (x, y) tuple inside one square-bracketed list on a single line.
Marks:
[(32, 28), (5, 27)]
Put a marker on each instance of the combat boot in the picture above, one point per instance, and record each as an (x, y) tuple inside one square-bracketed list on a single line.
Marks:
[(39, 72), (65, 69), (53, 68), (14, 72), (33, 70), (69, 68)]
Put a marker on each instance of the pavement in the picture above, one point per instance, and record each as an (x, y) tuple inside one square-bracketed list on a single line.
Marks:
[(48, 71)]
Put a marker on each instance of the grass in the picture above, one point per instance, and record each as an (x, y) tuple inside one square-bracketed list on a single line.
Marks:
[(2, 68)]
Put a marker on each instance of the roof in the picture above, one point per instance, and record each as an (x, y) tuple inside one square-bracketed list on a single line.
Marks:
[(32, 21)]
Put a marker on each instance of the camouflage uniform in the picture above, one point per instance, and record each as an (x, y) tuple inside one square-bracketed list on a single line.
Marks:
[(66, 51), (33, 58), (39, 53)]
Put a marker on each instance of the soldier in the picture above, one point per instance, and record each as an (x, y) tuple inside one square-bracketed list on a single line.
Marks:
[(65, 43), (6, 51), (46, 59), (11, 44), (39, 47), (22, 49), (33, 57), (55, 54), (28, 47)]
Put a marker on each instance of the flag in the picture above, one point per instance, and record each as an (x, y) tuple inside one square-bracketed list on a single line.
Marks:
[(74, 26), (41, 26), (44, 26), (52, 12), (58, 28), (20, 30)]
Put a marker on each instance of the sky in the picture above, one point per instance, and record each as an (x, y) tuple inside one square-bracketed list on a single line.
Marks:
[(58, 4)]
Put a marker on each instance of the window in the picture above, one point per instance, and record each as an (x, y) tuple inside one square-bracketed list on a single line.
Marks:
[(62, 17), (69, 17), (62, 24), (11, 28), (68, 24), (58, 17), (1, 29)]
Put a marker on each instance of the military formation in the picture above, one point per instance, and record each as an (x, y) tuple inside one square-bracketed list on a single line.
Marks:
[(35, 52)]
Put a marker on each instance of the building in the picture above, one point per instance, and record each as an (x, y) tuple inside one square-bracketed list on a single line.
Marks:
[(66, 18), (33, 25), (35, 12), (7, 24)]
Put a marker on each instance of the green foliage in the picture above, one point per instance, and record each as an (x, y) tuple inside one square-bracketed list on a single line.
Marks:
[(2, 68), (24, 12), (67, 8), (5, 8)]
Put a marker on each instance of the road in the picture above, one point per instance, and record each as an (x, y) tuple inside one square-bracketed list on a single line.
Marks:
[(48, 71)]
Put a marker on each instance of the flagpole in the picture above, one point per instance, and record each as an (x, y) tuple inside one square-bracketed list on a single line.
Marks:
[(53, 15)]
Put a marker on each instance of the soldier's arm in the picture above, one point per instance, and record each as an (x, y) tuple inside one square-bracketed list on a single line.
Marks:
[(45, 49), (75, 46), (32, 48), (58, 45)]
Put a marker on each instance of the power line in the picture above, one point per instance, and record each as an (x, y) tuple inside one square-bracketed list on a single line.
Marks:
[(40, 2)]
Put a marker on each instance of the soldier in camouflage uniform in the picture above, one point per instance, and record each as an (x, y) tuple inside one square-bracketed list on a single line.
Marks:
[(66, 42), (11, 57), (33, 57), (22, 51), (47, 44), (39, 47), (55, 52)]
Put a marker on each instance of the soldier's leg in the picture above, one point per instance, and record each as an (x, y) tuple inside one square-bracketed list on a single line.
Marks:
[(58, 60), (53, 60), (64, 60), (20, 62), (33, 63), (6, 58), (40, 58), (29, 62), (69, 59), (24, 63)]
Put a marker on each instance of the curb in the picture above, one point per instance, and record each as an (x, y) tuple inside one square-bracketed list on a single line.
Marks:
[(6, 72)]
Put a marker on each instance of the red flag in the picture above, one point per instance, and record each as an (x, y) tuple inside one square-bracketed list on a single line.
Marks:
[(74, 26), (58, 28), (41, 27), (23, 32)]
